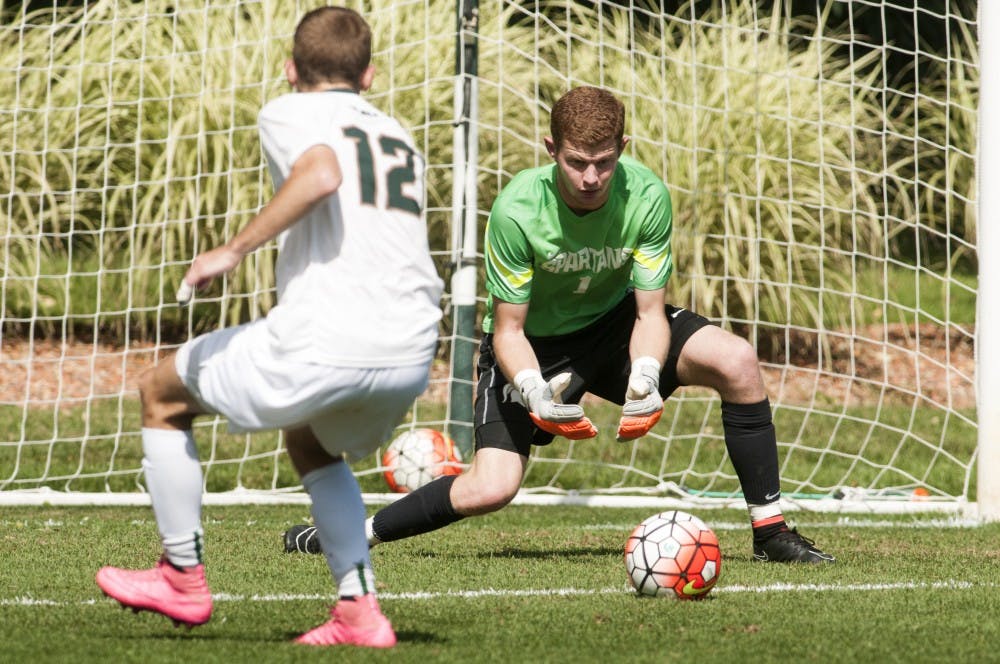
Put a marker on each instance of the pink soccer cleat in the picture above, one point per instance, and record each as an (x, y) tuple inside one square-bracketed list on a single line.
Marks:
[(181, 595), (356, 622)]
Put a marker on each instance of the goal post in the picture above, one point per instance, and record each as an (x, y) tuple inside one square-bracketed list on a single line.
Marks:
[(988, 301), (465, 226), (822, 162)]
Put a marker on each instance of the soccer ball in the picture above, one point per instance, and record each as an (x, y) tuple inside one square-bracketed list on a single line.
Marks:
[(673, 554), (416, 457)]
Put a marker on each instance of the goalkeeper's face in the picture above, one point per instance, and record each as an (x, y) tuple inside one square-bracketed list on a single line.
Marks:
[(584, 172)]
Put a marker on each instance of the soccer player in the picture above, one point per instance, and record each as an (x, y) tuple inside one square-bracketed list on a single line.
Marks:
[(577, 259), (336, 363)]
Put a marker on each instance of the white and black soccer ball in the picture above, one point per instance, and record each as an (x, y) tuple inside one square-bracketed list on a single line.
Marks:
[(673, 554), (417, 457)]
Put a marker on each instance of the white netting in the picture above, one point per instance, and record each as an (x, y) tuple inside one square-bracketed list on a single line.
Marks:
[(821, 165)]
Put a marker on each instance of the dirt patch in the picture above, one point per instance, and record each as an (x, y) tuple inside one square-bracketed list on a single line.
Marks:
[(46, 372), (927, 363)]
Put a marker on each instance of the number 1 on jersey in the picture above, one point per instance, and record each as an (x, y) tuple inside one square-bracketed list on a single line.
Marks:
[(583, 285)]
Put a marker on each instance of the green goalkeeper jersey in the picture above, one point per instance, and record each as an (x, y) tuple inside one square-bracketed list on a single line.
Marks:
[(572, 268)]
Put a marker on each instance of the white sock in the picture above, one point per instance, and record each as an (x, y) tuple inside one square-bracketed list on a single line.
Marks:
[(174, 482), (762, 514), (370, 533), (339, 515)]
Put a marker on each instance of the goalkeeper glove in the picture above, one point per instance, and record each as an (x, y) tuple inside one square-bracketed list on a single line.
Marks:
[(548, 412), (643, 403)]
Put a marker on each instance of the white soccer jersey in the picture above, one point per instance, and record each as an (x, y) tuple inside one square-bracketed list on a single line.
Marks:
[(356, 284)]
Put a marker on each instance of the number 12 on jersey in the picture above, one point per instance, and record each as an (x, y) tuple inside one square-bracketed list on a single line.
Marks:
[(394, 178)]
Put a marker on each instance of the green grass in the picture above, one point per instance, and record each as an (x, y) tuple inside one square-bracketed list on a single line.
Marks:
[(484, 590), (98, 448)]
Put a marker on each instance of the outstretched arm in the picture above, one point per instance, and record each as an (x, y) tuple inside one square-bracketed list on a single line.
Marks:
[(314, 176)]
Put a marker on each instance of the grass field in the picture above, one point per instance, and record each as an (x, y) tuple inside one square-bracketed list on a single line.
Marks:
[(528, 584), (89, 444)]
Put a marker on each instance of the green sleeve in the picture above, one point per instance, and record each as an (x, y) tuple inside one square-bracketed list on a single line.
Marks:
[(509, 263), (653, 258)]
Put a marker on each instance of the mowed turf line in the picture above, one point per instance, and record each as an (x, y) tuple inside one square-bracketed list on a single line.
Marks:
[(528, 584)]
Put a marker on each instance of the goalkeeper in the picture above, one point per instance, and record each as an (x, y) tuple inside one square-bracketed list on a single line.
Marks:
[(577, 259)]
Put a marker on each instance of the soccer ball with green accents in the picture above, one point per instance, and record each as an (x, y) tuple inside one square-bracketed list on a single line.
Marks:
[(673, 554), (416, 457)]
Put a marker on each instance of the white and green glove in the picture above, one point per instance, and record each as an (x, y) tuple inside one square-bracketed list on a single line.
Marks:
[(544, 403), (643, 403)]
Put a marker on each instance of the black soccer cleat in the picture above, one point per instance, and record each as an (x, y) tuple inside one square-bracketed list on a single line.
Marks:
[(303, 539), (787, 546)]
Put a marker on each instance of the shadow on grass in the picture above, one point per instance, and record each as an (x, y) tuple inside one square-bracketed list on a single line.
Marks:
[(539, 554)]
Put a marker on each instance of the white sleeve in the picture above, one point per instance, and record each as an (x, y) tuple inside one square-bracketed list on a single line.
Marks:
[(287, 130)]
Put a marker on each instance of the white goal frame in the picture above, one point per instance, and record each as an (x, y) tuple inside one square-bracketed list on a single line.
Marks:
[(988, 302)]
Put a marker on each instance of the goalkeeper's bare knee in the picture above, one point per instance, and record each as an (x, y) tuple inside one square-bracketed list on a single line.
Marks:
[(484, 498)]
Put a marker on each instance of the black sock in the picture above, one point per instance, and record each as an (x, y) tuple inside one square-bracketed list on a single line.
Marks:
[(753, 449), (421, 511)]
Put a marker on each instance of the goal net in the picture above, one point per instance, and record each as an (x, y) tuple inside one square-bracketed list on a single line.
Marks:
[(821, 163)]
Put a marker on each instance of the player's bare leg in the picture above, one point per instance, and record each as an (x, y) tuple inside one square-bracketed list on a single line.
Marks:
[(490, 483), (306, 453), (166, 401)]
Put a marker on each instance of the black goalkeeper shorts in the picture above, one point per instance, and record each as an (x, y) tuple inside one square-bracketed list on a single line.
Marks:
[(597, 358)]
